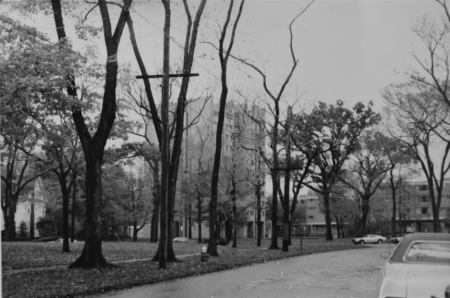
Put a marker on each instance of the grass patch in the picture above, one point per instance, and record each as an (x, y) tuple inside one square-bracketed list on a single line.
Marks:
[(61, 282)]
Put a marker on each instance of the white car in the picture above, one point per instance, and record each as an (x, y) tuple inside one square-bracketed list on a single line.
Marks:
[(371, 238), (418, 267), (396, 240)]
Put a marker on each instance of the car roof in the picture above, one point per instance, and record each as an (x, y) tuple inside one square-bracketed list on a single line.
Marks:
[(409, 239)]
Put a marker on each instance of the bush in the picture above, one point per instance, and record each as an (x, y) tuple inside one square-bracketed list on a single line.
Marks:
[(46, 226), (23, 233)]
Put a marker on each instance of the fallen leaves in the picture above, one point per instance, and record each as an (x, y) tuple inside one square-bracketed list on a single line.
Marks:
[(61, 282)]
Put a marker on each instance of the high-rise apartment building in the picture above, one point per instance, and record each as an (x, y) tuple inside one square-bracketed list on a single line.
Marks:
[(242, 139)]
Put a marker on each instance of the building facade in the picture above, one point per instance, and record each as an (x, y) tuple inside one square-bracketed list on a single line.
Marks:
[(30, 209), (242, 138), (413, 207), (314, 224)]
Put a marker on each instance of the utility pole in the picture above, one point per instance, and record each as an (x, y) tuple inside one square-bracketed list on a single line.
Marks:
[(286, 182), (165, 225)]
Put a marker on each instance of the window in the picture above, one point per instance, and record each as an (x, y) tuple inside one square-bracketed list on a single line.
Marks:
[(251, 213), (423, 252), (310, 217), (422, 187), (424, 210), (425, 199)]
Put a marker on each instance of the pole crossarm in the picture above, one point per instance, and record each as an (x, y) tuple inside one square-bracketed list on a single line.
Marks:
[(170, 76)]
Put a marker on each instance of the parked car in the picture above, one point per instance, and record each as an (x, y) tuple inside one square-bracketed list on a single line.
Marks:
[(418, 267), (396, 239), (371, 238)]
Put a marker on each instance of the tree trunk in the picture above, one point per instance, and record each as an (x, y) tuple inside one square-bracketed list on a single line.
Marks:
[(156, 203), (91, 256), (234, 210), (329, 229), (287, 178), (394, 212), (436, 221), (274, 240), (199, 217), (10, 227), (190, 221), (32, 222), (365, 208), (135, 231), (394, 199), (338, 226), (65, 212), (93, 147), (74, 195), (229, 230), (258, 208)]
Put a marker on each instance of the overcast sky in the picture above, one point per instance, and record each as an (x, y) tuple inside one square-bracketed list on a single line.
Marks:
[(348, 49)]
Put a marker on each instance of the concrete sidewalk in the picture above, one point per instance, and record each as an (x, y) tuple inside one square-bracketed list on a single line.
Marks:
[(349, 273)]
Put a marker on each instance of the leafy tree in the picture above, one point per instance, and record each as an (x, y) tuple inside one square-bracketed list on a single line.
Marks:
[(306, 140), (344, 128), (32, 75), (94, 145), (46, 226)]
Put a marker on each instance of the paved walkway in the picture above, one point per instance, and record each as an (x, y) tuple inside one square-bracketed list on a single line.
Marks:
[(350, 273)]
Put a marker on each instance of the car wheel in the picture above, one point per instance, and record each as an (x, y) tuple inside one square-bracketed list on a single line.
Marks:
[(362, 242), (379, 241)]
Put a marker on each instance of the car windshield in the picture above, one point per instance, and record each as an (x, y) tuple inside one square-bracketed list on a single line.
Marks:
[(429, 252)]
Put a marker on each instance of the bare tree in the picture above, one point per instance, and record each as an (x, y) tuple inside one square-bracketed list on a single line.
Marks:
[(275, 111), (224, 56), (421, 118), (400, 163), (369, 167)]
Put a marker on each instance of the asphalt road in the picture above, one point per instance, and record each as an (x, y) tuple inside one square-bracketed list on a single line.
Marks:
[(351, 273)]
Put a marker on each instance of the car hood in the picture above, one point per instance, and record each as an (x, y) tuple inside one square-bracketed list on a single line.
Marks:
[(414, 280)]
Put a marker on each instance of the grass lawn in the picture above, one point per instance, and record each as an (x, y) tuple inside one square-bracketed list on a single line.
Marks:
[(62, 282)]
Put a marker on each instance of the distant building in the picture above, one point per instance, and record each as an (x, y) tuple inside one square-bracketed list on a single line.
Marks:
[(240, 133), (413, 207), (30, 209), (314, 217)]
